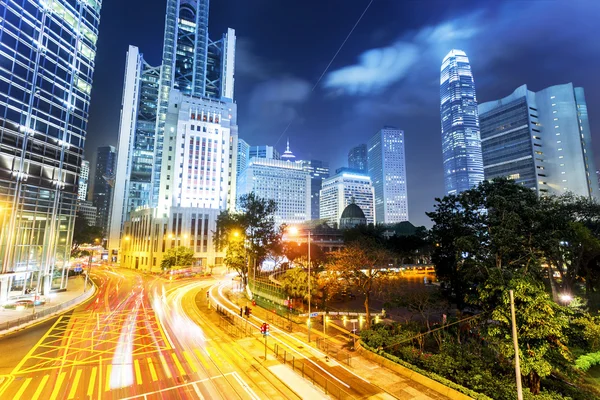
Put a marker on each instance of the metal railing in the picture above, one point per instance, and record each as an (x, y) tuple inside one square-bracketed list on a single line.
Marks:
[(45, 312)]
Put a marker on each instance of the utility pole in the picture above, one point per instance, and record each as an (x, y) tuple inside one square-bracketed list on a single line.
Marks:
[(516, 344)]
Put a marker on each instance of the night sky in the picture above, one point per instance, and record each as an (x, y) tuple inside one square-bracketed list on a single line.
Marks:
[(386, 74)]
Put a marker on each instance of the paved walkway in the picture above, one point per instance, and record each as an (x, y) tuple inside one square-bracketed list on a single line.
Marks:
[(11, 320)]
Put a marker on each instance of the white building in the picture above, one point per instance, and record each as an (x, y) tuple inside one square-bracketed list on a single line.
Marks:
[(84, 179), (344, 188), (287, 183), (243, 155), (387, 169), (88, 210)]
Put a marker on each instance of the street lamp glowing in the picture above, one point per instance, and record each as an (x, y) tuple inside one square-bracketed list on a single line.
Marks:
[(185, 236), (293, 230), (170, 236), (127, 238), (236, 234), (566, 298)]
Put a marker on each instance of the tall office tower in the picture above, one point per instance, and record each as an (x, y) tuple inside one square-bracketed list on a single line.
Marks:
[(344, 188), (541, 140), (103, 176), (461, 143), (284, 182), (243, 156), (193, 64), (357, 158), (263, 152), (387, 169), (318, 170), (88, 210), (84, 178), (47, 58), (287, 154)]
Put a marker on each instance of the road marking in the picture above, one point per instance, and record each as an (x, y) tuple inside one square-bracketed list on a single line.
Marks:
[(37, 393), (190, 362), (22, 389), (245, 386), (197, 390), (138, 372), (108, 375), (165, 366), (178, 364), (74, 385), (34, 348), (92, 381), (202, 360), (152, 370), (61, 378)]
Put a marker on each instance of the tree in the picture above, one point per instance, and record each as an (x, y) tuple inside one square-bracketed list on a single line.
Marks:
[(253, 224), (295, 283), (83, 233), (541, 325), (360, 263), (177, 256), (236, 258)]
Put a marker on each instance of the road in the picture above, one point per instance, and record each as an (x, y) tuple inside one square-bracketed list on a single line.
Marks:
[(135, 339)]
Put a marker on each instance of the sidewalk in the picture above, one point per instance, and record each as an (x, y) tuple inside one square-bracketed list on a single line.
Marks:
[(386, 379), (12, 320)]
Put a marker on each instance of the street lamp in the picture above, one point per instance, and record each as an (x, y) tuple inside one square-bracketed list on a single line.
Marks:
[(566, 298), (294, 231)]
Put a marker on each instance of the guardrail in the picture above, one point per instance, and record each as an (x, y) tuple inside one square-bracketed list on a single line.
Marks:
[(4, 326)]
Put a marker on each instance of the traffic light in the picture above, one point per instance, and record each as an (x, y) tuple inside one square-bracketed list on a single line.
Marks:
[(247, 311), (264, 329)]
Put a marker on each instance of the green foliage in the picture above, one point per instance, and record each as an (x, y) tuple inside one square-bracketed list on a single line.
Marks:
[(236, 257), (177, 257), (295, 283), (587, 361)]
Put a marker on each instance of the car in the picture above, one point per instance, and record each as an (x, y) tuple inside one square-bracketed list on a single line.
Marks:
[(18, 304)]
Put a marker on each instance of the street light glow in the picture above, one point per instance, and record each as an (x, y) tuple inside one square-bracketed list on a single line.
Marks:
[(127, 238), (293, 230), (566, 298), (236, 234)]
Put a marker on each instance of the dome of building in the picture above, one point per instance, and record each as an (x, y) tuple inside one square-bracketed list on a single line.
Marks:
[(352, 216)]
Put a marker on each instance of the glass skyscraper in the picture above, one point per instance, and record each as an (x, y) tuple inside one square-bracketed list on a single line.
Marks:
[(461, 142), (357, 158), (387, 169), (319, 170), (541, 140), (191, 63), (47, 57), (105, 169)]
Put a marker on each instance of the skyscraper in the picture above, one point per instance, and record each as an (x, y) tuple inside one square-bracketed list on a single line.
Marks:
[(318, 170), (357, 158), (344, 188), (243, 155), (284, 182), (195, 66), (287, 154), (103, 175), (47, 58), (541, 140), (263, 152), (387, 169), (84, 177), (461, 143)]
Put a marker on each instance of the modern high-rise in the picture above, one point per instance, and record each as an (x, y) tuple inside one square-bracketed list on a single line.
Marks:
[(358, 158), (461, 142), (344, 188), (287, 154), (318, 170), (103, 176), (84, 178), (243, 155), (263, 152), (387, 169), (47, 59), (194, 65), (287, 183), (541, 140)]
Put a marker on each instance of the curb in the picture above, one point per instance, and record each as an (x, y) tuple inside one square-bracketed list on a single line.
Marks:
[(35, 322)]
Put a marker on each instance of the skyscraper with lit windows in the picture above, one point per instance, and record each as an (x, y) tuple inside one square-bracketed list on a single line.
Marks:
[(461, 141), (47, 59)]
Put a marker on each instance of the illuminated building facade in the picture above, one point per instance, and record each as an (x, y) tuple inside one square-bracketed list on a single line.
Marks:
[(84, 179), (461, 142), (358, 158), (344, 188), (387, 169), (47, 58), (318, 170), (541, 140)]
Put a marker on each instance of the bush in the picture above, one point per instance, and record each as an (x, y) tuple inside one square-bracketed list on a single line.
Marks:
[(587, 361)]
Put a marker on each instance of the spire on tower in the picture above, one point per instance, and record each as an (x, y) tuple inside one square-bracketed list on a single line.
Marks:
[(287, 154)]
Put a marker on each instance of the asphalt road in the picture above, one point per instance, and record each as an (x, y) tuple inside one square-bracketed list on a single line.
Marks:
[(133, 340)]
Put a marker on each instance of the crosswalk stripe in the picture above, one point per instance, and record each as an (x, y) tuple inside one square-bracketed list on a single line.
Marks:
[(178, 364), (138, 372), (37, 393), (61, 378), (152, 370), (165, 366), (74, 384), (108, 374), (22, 389), (190, 362), (201, 358), (92, 381)]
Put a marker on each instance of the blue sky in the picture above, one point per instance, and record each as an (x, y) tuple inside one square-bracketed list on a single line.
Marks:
[(386, 74)]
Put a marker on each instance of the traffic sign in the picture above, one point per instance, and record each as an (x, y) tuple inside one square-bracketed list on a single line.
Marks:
[(314, 314)]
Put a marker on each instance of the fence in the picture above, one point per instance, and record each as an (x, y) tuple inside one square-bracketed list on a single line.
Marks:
[(45, 312), (331, 350), (309, 372)]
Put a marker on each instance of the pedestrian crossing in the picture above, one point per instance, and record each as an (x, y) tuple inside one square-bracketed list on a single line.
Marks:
[(97, 381)]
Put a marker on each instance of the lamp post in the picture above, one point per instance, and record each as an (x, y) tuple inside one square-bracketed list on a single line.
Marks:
[(294, 231)]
